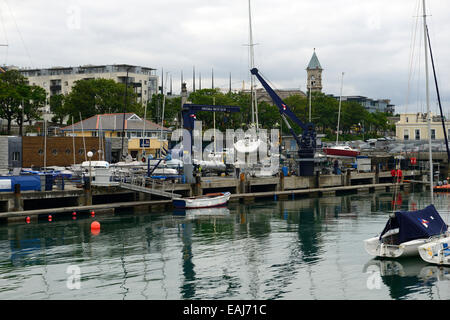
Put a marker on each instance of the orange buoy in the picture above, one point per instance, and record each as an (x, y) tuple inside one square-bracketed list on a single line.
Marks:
[(27, 219), (95, 227)]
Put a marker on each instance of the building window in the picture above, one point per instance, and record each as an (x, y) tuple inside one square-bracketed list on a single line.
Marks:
[(433, 134), (67, 151), (406, 134), (417, 134), (40, 151), (16, 156), (54, 152)]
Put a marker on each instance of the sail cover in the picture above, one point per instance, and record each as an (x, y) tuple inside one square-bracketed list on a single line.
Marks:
[(416, 224)]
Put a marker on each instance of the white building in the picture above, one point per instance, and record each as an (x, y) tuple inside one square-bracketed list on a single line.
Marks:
[(60, 80)]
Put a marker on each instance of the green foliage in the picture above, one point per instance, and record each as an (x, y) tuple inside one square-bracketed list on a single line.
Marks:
[(355, 121), (58, 108), (224, 120), (98, 96), (18, 100), (172, 109)]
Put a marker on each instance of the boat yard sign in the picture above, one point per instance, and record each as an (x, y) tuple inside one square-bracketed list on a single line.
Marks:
[(144, 143)]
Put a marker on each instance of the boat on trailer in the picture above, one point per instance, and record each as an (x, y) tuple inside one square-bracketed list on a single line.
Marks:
[(405, 232), (208, 200)]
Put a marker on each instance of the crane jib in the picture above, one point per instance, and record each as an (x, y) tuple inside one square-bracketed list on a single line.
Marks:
[(308, 140), (283, 108)]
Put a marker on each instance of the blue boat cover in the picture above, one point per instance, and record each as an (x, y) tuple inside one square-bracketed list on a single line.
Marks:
[(27, 182), (416, 224)]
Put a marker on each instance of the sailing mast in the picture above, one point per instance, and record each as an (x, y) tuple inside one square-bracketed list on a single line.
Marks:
[(45, 144), (73, 141), (252, 65), (339, 112), (438, 97), (430, 155)]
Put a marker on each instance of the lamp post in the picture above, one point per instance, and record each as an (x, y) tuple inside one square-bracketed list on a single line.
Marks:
[(21, 108), (124, 110), (90, 154), (88, 191)]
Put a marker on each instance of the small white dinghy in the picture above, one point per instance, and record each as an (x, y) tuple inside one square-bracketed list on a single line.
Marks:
[(405, 232), (206, 201), (436, 251)]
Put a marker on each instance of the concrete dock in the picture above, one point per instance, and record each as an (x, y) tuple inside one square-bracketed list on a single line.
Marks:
[(16, 207)]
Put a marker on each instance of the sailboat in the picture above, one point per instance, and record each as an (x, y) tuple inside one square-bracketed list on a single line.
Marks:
[(406, 232), (251, 142), (340, 150), (437, 249)]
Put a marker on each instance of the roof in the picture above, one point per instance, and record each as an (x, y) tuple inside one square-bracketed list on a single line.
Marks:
[(314, 62), (416, 224), (113, 122)]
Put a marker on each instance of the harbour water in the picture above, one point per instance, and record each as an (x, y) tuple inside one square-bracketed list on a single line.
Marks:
[(303, 248)]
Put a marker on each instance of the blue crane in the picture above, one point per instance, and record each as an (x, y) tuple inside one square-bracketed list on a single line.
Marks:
[(307, 142)]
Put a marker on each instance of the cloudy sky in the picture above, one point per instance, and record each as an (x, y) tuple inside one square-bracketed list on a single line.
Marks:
[(371, 41)]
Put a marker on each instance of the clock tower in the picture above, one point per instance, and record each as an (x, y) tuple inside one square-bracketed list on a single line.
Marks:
[(314, 74)]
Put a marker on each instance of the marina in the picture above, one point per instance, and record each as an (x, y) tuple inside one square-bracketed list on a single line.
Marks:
[(307, 249), (115, 185)]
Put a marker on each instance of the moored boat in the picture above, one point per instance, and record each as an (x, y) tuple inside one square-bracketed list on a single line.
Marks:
[(206, 201), (436, 251), (404, 232), (341, 150), (443, 188)]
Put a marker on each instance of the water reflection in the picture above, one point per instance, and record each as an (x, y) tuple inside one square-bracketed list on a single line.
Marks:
[(302, 249), (407, 277)]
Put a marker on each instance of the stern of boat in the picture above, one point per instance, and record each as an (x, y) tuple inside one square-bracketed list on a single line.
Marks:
[(378, 249)]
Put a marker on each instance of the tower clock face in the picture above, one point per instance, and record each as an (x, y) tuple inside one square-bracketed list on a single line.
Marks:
[(313, 78)]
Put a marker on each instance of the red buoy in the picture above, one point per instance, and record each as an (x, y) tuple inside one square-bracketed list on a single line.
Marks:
[(27, 219), (49, 217), (95, 228), (92, 213)]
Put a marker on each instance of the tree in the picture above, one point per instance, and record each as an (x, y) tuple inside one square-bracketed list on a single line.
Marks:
[(33, 99), (377, 122), (352, 113), (97, 96), (224, 120), (172, 109), (14, 95), (58, 108)]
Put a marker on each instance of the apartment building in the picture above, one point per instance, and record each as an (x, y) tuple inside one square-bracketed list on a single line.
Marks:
[(60, 80)]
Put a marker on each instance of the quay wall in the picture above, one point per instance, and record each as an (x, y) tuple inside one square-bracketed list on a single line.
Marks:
[(20, 204)]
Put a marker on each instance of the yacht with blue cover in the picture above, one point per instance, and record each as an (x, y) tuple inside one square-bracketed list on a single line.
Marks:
[(405, 231)]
